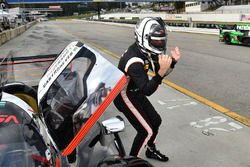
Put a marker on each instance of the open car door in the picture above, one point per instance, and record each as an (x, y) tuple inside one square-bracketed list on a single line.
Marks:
[(74, 92)]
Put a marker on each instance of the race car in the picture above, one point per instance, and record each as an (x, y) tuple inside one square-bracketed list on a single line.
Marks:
[(235, 34), (56, 122)]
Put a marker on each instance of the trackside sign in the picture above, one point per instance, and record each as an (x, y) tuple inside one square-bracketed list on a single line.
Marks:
[(243, 27)]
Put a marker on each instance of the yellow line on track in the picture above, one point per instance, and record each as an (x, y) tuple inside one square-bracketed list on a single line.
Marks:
[(235, 116), (240, 118)]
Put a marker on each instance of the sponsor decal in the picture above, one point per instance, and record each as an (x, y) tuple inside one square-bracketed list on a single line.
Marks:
[(8, 119), (245, 17), (55, 7), (146, 66), (243, 27), (56, 68)]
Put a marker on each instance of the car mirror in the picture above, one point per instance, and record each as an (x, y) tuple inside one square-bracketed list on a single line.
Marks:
[(113, 125)]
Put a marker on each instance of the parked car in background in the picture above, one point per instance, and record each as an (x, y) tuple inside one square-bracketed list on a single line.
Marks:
[(44, 19)]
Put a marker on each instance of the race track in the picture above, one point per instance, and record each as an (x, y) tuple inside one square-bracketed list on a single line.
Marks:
[(208, 68)]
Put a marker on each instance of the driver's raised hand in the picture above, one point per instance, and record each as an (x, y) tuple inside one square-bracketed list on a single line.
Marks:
[(164, 62), (175, 53)]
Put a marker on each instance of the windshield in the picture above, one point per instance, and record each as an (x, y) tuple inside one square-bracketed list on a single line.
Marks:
[(64, 97), (228, 27), (21, 144)]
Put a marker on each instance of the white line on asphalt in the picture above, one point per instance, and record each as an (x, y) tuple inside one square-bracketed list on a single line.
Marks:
[(235, 125), (210, 125)]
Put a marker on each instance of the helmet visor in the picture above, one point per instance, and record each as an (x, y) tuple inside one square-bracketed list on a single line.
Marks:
[(158, 38), (158, 43)]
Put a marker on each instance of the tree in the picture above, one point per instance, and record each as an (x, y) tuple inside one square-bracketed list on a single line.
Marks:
[(179, 6)]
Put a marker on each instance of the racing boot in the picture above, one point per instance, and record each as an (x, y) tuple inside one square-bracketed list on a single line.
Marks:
[(153, 153)]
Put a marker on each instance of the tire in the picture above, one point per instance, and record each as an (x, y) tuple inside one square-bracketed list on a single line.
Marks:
[(246, 41), (127, 161), (227, 39), (24, 92)]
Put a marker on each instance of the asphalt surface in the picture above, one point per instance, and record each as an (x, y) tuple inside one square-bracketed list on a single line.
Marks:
[(192, 134), (208, 68)]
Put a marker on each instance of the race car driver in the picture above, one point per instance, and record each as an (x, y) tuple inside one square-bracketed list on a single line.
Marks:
[(148, 52)]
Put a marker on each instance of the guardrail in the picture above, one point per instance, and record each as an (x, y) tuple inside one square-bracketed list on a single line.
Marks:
[(175, 23), (10, 34), (131, 23), (195, 20), (194, 30)]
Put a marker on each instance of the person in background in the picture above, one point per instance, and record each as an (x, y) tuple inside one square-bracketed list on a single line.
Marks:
[(148, 52)]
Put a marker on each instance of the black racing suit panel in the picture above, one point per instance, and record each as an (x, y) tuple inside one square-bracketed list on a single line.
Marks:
[(135, 64), (140, 79)]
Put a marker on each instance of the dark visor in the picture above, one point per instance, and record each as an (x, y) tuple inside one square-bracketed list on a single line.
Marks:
[(158, 37)]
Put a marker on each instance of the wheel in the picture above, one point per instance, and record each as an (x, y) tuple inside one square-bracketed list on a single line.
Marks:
[(24, 92), (127, 161), (246, 41), (227, 39)]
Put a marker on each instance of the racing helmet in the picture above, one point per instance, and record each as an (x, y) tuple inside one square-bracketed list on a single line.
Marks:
[(151, 35)]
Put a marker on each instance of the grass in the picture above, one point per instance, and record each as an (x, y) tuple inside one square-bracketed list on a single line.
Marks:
[(73, 16)]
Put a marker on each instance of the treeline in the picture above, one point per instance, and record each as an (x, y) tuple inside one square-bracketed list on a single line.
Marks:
[(70, 8)]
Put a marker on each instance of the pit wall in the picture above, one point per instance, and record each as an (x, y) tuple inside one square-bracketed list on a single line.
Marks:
[(10, 34)]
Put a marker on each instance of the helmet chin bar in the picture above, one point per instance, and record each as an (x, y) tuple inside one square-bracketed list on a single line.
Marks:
[(156, 52), (150, 53), (152, 50)]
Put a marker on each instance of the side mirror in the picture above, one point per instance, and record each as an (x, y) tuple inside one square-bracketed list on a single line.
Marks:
[(113, 125)]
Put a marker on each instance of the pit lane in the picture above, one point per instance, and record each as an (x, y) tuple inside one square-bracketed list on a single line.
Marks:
[(206, 66)]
